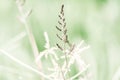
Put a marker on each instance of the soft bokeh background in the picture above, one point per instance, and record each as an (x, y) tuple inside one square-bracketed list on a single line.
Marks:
[(95, 21)]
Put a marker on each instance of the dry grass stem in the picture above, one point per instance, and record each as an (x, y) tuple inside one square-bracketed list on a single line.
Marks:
[(23, 64), (23, 16)]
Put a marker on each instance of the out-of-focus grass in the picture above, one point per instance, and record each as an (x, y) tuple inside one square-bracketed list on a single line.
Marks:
[(95, 21)]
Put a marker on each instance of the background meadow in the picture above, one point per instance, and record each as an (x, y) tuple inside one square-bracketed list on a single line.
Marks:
[(97, 22)]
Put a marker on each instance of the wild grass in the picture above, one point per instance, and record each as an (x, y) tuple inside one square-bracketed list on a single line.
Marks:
[(62, 57)]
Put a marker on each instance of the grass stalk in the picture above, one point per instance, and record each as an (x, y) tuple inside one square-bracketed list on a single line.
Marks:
[(24, 65)]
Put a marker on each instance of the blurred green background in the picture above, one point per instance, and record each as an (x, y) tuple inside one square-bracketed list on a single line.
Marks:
[(95, 21)]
